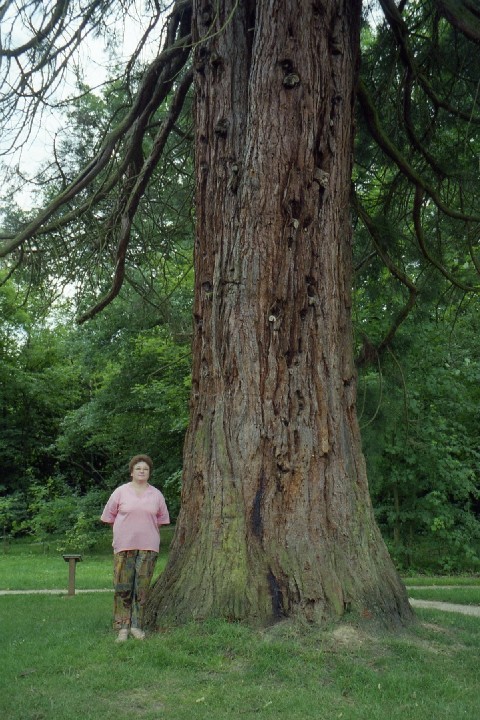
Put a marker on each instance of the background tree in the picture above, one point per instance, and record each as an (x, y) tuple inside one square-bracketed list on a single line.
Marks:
[(418, 416), (416, 173), (129, 370), (77, 402)]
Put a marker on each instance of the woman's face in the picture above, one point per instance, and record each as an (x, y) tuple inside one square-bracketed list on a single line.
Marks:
[(140, 472)]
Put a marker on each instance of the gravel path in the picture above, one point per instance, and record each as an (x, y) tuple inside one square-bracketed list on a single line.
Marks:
[(447, 607)]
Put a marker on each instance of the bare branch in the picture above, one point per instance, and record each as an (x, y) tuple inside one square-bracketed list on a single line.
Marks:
[(56, 22)]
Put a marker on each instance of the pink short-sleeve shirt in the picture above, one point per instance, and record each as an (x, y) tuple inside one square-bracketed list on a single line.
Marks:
[(136, 518)]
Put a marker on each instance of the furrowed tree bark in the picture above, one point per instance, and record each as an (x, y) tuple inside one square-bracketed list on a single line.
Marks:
[(276, 519)]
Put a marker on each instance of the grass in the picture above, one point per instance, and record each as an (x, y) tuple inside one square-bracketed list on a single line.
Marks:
[(461, 595), (60, 661), (463, 590), (39, 572), (28, 566), (442, 580)]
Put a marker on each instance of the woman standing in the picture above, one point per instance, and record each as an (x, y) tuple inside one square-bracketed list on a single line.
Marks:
[(136, 510)]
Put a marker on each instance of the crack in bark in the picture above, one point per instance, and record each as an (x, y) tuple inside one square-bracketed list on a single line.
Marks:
[(276, 595)]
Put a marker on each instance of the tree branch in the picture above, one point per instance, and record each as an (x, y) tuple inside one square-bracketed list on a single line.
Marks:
[(417, 221), (388, 147), (58, 13), (136, 194), (155, 86), (400, 31), (365, 355), (462, 14)]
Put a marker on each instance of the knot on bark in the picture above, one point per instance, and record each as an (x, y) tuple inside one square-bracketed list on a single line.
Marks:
[(234, 177), (216, 61), (221, 128), (206, 14), (291, 80), (287, 65), (321, 177), (201, 58)]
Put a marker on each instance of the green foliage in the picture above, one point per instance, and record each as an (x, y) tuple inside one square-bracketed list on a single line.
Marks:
[(79, 402), (38, 384), (138, 384), (85, 532), (58, 514), (52, 511), (172, 488), (420, 420), (13, 510), (419, 370)]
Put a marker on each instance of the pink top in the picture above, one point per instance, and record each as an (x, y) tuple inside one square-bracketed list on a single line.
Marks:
[(135, 518)]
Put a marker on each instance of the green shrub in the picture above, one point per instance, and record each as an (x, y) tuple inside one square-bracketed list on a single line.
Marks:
[(13, 512)]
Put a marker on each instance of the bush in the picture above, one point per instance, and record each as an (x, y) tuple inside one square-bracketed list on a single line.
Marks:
[(56, 511), (13, 514), (87, 529)]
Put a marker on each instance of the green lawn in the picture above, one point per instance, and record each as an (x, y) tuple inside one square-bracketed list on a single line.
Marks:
[(28, 566), (442, 580), (60, 662)]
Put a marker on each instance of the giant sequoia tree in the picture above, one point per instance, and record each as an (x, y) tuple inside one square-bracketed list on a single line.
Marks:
[(276, 518)]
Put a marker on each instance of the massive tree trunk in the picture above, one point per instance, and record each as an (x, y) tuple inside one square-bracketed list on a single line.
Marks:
[(276, 518)]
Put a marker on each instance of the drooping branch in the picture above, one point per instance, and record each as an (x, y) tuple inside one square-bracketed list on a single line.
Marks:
[(414, 138), (472, 251), (133, 200), (464, 15), (56, 23), (156, 85), (119, 174), (409, 125), (391, 150), (367, 353), (13, 269), (417, 221), (400, 31), (31, 72)]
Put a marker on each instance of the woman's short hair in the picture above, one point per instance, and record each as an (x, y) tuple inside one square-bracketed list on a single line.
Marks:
[(140, 458)]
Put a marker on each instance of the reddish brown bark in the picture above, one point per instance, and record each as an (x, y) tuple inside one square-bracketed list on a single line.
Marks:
[(276, 518)]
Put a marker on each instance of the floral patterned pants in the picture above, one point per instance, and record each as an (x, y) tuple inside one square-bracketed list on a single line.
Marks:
[(132, 573)]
